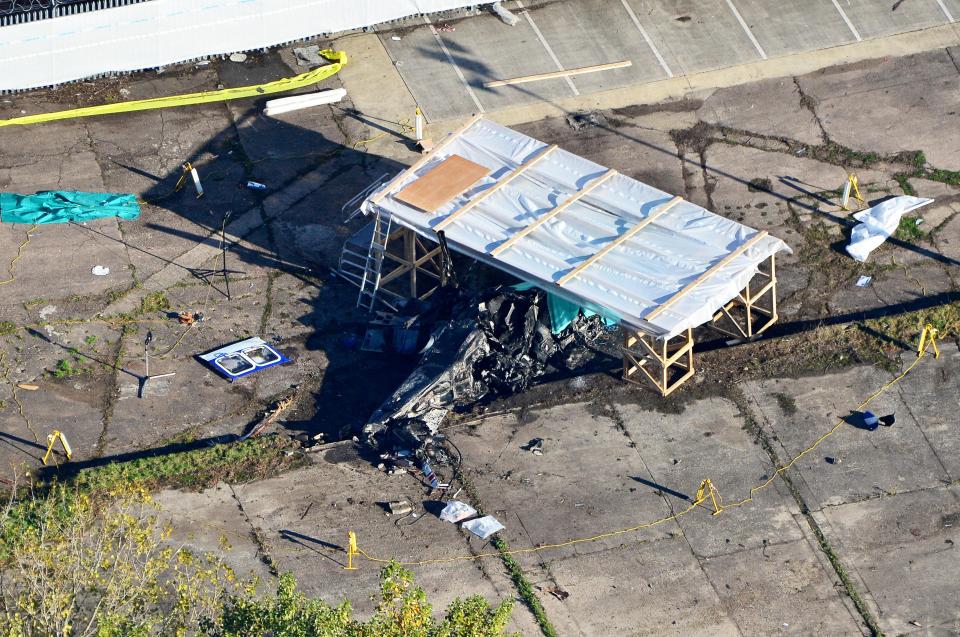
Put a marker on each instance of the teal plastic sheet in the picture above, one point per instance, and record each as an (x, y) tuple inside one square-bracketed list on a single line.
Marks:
[(61, 206), (564, 312)]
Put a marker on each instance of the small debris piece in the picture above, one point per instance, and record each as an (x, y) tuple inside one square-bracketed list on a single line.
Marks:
[(833, 460), (256, 185), (506, 16), (888, 420), (395, 38), (914, 622), (189, 318), (535, 446), (28, 387), (864, 281), (483, 527), (100, 270), (457, 511), (446, 28), (238, 57), (870, 421), (308, 56), (400, 507), (557, 592)]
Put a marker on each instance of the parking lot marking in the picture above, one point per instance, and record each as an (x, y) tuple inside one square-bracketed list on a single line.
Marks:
[(843, 15), (646, 38), (946, 11), (546, 45), (456, 68), (746, 29)]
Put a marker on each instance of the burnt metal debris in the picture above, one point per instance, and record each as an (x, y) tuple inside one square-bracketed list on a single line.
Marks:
[(479, 348)]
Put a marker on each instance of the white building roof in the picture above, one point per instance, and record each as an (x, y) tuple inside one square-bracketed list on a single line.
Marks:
[(683, 248)]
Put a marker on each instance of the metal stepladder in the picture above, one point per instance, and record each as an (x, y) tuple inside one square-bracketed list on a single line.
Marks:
[(370, 283)]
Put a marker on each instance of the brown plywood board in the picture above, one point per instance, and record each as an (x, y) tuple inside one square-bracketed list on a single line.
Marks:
[(442, 183)]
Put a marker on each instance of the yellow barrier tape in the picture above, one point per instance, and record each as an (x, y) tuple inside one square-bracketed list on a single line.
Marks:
[(339, 58), (705, 492)]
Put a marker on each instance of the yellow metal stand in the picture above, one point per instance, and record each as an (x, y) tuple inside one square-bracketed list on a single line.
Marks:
[(852, 185), (351, 551), (928, 338), (708, 490), (51, 440)]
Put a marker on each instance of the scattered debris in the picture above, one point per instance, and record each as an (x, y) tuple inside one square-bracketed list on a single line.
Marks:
[(878, 223), (585, 119), (493, 345), (864, 281), (271, 417), (243, 357), (483, 527), (505, 15), (443, 27), (308, 56), (557, 592), (457, 511), (189, 318), (238, 57), (535, 446)]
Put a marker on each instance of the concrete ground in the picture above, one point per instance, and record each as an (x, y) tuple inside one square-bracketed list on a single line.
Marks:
[(766, 142)]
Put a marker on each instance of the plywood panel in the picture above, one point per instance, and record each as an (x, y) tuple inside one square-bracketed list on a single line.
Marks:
[(442, 183)]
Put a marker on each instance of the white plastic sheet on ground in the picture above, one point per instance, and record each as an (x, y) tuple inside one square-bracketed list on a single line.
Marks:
[(163, 32), (878, 223), (628, 282)]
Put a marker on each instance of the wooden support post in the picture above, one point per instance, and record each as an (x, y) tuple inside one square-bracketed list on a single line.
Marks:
[(739, 312), (667, 364), (555, 74)]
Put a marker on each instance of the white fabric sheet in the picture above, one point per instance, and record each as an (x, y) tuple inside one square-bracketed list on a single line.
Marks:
[(163, 32), (630, 281), (878, 223)]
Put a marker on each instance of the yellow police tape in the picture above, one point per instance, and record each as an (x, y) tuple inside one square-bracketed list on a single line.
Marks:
[(705, 492), (339, 58)]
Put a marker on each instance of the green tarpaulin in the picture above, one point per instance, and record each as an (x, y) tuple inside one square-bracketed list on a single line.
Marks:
[(61, 206), (563, 312)]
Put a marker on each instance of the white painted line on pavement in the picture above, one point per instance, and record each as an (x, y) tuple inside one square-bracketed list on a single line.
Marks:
[(546, 45), (643, 32), (946, 11), (746, 29), (843, 15), (456, 68)]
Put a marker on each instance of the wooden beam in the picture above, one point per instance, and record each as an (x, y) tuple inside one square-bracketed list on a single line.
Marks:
[(619, 240), (555, 74), (420, 162), (703, 277), (550, 214), (519, 170)]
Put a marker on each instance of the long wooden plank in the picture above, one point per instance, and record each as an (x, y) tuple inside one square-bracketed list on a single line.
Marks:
[(555, 74), (420, 162), (619, 240), (519, 170), (703, 277), (542, 219)]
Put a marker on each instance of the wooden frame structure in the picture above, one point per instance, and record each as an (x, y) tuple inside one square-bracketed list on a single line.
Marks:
[(648, 356), (672, 358), (410, 255), (739, 312)]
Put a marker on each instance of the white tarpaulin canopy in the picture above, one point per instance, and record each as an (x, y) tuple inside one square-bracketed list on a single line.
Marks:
[(683, 249)]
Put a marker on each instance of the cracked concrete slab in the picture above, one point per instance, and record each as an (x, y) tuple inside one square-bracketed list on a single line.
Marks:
[(903, 549)]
